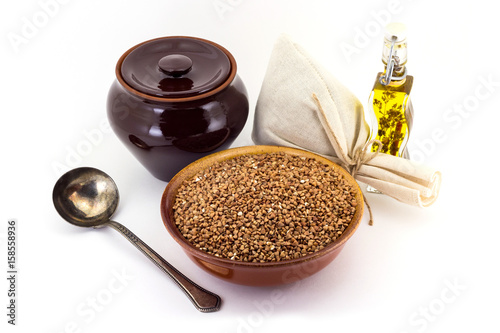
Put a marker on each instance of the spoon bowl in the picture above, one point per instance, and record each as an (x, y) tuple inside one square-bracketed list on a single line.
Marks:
[(88, 197)]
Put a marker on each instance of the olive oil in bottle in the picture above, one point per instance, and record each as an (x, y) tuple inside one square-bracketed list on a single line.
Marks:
[(391, 108)]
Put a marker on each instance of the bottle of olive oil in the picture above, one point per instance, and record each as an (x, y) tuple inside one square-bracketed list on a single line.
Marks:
[(392, 112)]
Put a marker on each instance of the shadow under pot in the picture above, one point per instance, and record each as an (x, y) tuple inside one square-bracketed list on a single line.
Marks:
[(175, 100)]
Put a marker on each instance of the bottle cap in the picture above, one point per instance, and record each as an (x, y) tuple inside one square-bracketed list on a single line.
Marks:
[(395, 29)]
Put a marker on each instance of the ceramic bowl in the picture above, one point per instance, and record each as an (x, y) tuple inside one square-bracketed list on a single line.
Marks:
[(251, 273)]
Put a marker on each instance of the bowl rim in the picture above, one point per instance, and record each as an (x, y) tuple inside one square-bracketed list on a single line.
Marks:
[(190, 170)]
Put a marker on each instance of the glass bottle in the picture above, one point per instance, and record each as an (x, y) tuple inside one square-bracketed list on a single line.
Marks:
[(390, 104)]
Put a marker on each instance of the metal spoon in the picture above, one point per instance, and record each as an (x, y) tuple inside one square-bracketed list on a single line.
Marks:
[(88, 197)]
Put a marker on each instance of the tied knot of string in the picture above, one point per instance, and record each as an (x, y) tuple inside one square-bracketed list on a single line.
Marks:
[(361, 156)]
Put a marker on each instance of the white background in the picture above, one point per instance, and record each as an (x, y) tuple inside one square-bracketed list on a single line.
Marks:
[(415, 270)]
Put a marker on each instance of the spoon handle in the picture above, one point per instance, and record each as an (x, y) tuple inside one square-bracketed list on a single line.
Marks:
[(203, 300)]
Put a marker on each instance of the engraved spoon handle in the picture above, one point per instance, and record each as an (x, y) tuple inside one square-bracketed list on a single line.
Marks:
[(203, 300)]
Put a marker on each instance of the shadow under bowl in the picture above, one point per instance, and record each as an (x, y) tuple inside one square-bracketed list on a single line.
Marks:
[(253, 273)]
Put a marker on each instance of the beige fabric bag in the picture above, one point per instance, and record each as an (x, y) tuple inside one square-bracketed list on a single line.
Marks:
[(301, 105)]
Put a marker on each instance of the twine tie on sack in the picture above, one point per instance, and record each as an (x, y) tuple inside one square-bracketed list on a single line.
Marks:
[(360, 157)]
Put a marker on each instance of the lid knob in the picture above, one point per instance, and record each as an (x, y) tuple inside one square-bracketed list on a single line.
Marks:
[(175, 65)]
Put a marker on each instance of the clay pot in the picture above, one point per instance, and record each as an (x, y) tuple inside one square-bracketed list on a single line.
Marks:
[(175, 100)]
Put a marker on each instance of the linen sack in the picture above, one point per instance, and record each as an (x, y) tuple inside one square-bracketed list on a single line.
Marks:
[(302, 105)]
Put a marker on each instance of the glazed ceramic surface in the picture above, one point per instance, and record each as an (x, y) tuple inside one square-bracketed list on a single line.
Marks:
[(175, 100), (249, 273)]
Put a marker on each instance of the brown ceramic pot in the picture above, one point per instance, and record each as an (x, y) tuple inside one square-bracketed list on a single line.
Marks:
[(250, 273), (176, 99)]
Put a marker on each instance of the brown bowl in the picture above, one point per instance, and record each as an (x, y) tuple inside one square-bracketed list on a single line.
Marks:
[(253, 273)]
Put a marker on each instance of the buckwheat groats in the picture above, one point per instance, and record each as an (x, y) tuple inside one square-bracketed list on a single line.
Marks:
[(264, 207)]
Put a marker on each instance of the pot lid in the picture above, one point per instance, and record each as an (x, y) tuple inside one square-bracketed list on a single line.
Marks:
[(176, 68)]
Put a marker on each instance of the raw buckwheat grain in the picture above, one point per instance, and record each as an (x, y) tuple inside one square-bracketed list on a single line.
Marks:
[(264, 207)]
